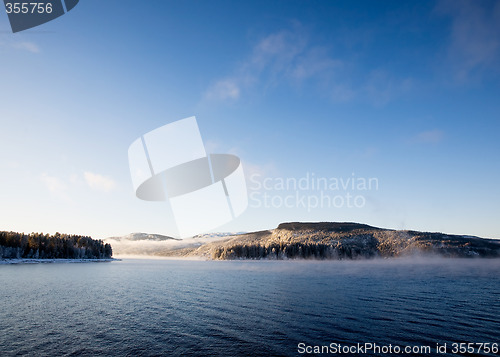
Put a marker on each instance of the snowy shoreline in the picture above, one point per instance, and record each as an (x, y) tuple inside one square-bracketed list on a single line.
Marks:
[(39, 261)]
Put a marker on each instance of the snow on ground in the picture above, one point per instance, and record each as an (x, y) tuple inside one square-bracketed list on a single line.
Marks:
[(38, 261)]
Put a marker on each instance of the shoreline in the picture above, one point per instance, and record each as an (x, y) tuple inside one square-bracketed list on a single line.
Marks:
[(57, 261), (411, 257)]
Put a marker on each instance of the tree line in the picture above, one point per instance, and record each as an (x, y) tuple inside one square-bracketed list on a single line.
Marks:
[(58, 246), (294, 250)]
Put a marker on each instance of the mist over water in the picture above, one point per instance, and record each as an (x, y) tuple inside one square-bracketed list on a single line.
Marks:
[(147, 249), (257, 308)]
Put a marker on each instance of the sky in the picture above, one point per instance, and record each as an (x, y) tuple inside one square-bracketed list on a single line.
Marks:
[(402, 92)]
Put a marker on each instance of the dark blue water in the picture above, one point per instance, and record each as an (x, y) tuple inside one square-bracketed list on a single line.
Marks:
[(255, 308)]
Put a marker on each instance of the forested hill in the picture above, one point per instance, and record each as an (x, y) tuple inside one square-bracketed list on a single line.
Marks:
[(58, 246), (342, 240)]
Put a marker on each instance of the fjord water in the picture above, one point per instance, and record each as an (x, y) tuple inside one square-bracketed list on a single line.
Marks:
[(237, 308)]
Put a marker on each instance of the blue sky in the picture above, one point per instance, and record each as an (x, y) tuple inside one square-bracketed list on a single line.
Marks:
[(406, 92)]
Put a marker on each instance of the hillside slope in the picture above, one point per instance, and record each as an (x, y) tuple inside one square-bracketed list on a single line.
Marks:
[(327, 240)]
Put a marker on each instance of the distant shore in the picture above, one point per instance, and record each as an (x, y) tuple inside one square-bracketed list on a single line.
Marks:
[(45, 261)]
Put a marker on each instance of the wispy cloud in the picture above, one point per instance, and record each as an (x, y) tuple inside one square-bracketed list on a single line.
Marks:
[(26, 46), (56, 186), (286, 55), (10, 44), (99, 182), (291, 57), (279, 51), (475, 36), (429, 137), (313, 63), (381, 87), (67, 187), (342, 92), (224, 89)]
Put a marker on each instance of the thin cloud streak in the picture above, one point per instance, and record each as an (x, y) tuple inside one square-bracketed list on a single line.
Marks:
[(26, 46), (474, 36), (99, 182), (284, 56), (429, 137), (53, 184), (289, 57), (56, 186)]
